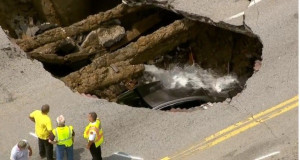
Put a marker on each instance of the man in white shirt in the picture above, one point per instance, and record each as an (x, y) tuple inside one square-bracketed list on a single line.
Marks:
[(21, 151)]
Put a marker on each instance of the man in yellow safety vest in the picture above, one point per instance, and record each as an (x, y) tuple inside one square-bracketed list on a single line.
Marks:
[(94, 134), (63, 136)]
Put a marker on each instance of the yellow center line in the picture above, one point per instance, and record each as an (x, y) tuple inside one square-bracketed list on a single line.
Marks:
[(242, 129), (237, 128), (237, 125), (251, 118)]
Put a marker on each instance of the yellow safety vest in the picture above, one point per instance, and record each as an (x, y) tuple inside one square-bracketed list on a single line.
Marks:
[(63, 135), (94, 127)]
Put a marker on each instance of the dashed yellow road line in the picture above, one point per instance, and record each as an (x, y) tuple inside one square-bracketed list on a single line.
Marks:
[(239, 127)]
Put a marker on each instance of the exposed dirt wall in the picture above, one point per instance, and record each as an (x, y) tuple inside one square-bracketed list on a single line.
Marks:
[(14, 15)]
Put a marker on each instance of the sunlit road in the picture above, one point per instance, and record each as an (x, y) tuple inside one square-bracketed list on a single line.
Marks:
[(153, 135)]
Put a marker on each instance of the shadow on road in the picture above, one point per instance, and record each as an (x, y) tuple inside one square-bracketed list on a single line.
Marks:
[(77, 153)]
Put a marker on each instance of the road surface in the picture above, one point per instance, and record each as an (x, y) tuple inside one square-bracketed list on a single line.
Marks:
[(152, 135)]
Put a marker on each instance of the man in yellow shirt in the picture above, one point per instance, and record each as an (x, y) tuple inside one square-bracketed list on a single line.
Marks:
[(43, 128), (94, 134)]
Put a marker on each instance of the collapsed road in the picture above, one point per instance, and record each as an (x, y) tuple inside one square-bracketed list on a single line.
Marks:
[(150, 134), (106, 53)]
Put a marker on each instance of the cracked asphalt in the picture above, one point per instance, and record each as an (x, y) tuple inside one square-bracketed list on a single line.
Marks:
[(152, 135)]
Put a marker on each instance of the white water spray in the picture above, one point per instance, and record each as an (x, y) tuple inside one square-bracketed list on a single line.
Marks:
[(190, 76)]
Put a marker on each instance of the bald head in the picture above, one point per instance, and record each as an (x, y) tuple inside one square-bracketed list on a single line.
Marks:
[(60, 121), (45, 108)]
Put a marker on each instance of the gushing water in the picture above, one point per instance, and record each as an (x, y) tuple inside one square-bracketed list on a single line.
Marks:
[(190, 76)]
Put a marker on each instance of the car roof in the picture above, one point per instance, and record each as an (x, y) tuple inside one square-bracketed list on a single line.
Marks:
[(159, 97)]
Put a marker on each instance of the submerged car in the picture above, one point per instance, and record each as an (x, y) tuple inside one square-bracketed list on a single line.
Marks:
[(155, 96)]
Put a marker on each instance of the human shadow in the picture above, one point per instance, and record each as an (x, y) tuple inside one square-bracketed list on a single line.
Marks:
[(121, 156), (77, 152)]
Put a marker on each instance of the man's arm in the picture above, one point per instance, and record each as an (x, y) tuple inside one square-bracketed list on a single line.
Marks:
[(13, 155), (84, 133), (32, 119), (91, 139), (73, 136), (88, 146), (28, 147), (99, 123), (30, 151), (49, 126), (51, 138), (31, 116)]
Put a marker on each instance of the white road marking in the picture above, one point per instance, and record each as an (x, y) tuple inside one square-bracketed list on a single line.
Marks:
[(235, 16), (253, 2), (128, 156), (268, 155), (33, 134)]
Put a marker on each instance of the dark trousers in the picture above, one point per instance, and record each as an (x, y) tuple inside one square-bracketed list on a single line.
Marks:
[(46, 149), (96, 152)]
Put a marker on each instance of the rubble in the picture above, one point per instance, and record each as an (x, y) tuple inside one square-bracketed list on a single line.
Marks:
[(137, 29), (47, 10), (257, 65), (105, 37), (88, 79), (206, 105), (88, 24)]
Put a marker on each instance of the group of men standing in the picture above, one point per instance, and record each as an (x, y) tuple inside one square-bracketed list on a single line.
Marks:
[(62, 136)]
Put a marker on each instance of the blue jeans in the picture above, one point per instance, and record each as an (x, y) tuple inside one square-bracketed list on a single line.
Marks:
[(60, 152)]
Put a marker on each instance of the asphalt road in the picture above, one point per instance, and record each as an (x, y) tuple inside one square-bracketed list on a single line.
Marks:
[(152, 135)]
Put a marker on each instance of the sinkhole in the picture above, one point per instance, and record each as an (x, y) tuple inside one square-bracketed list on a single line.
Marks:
[(141, 56)]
